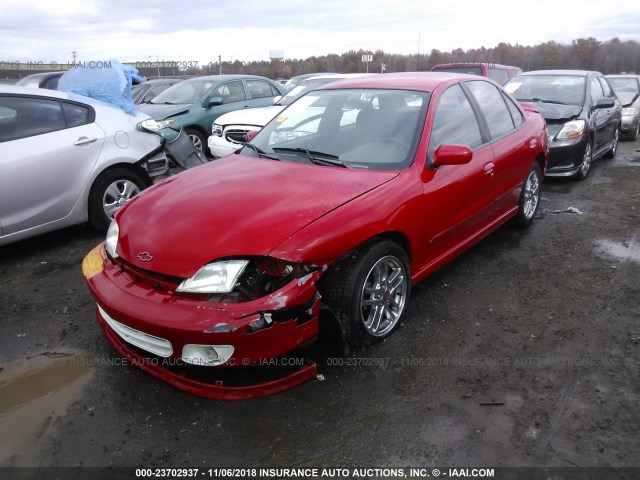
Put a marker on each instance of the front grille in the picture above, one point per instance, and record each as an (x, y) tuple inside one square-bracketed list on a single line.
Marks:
[(149, 343), (236, 135)]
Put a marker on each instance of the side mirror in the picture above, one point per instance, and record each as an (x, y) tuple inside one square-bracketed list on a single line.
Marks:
[(276, 99), (605, 103), (452, 155), (213, 102)]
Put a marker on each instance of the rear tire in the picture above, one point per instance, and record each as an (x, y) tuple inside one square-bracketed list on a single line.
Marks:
[(529, 197), (614, 147), (110, 191), (368, 291)]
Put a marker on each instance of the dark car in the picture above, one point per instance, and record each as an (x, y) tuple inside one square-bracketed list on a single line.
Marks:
[(627, 89), (41, 80), (583, 116), (147, 91), (195, 103)]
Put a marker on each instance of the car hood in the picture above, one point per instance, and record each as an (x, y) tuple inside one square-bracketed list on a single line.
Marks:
[(236, 206), (627, 98), (160, 112), (555, 113), (250, 116)]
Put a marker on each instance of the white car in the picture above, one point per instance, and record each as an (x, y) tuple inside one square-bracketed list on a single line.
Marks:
[(67, 159), (229, 132)]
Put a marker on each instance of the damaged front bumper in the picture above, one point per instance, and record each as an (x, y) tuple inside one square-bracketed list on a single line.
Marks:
[(157, 329)]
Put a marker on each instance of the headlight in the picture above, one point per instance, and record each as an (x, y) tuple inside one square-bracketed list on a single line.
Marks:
[(630, 111), (572, 129), (216, 129), (217, 277), (154, 126), (111, 242)]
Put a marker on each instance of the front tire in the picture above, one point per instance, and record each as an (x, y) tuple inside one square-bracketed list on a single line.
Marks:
[(529, 197), (587, 160), (368, 291), (111, 190), (196, 138)]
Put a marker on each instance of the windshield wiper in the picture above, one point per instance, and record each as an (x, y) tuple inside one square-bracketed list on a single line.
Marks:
[(314, 156), (261, 153), (536, 99)]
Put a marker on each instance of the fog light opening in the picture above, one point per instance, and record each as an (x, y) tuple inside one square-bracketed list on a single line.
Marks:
[(206, 355)]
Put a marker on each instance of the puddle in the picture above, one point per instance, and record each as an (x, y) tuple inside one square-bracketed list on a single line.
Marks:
[(629, 250), (34, 393)]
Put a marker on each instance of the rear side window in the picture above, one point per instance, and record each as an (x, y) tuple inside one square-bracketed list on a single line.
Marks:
[(493, 107), (454, 121), (22, 117), (76, 115), (260, 89), (516, 114)]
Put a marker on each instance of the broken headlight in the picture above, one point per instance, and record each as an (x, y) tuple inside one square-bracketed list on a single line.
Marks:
[(217, 277), (243, 280)]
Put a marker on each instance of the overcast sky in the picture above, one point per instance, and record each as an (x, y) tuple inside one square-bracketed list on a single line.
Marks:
[(200, 30)]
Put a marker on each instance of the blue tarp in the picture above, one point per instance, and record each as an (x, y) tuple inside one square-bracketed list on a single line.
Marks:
[(108, 81)]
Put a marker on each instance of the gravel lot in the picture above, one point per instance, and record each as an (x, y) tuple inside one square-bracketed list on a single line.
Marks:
[(522, 352)]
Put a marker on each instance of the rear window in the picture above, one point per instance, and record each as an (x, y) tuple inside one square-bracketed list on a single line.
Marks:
[(469, 70), (499, 75)]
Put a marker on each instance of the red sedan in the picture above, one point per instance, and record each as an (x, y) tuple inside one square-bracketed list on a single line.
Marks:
[(347, 198)]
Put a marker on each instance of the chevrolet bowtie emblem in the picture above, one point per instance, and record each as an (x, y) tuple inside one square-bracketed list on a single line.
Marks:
[(145, 256)]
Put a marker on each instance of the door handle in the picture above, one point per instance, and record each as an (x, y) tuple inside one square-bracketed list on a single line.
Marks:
[(488, 168), (84, 141)]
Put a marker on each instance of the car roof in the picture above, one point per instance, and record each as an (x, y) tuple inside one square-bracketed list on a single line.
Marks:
[(42, 92), (42, 75), (153, 81), (574, 73), (421, 81), (623, 75), (45, 92), (222, 78)]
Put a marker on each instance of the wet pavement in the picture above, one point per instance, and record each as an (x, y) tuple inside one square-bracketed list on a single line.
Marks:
[(522, 352)]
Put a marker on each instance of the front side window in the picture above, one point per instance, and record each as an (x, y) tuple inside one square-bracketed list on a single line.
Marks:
[(493, 108), (595, 90), (230, 92), (355, 128), (22, 117), (455, 122)]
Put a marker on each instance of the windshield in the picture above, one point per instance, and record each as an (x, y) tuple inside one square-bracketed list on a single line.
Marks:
[(187, 92), (626, 89), (136, 91), (302, 88), (353, 128), (560, 89)]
